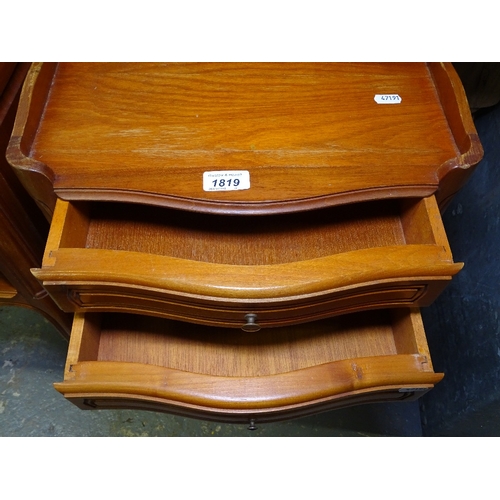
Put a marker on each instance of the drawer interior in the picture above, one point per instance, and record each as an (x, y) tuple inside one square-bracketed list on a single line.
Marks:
[(132, 361), (251, 240), (233, 353)]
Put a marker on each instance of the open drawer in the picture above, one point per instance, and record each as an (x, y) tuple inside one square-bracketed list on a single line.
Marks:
[(133, 361), (242, 271)]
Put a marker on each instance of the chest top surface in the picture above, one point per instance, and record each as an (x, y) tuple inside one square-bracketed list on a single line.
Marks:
[(304, 134)]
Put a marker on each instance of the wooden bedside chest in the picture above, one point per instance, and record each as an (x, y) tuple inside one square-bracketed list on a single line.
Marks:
[(244, 242)]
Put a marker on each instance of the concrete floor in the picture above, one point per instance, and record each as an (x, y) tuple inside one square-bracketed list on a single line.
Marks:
[(463, 324)]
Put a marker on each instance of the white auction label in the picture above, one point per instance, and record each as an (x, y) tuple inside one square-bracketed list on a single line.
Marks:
[(226, 180), (387, 98)]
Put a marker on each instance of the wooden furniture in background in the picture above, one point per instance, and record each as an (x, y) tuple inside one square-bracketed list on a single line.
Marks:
[(23, 228), (481, 82), (296, 294)]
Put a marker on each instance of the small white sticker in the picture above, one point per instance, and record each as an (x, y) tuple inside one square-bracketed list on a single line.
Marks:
[(226, 180), (387, 98)]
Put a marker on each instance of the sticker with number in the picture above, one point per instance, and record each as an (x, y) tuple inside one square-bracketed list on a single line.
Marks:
[(387, 99), (226, 180)]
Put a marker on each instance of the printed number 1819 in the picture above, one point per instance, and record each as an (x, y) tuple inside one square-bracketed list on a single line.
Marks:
[(226, 182)]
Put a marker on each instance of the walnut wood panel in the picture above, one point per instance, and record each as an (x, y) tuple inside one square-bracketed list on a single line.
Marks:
[(23, 228), (232, 313), (309, 134), (7, 291), (214, 269), (231, 374), (6, 71)]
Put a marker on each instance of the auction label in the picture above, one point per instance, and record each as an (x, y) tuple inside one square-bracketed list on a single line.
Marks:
[(226, 180), (387, 98)]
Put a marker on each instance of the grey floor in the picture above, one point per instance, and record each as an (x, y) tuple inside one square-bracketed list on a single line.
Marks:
[(463, 324)]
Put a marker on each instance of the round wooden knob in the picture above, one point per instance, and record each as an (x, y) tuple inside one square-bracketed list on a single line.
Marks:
[(251, 324)]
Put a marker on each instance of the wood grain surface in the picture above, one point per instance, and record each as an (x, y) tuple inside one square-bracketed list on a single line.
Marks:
[(210, 370), (209, 268), (309, 134)]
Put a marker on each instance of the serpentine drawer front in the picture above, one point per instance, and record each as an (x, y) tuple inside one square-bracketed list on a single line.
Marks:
[(217, 270), (132, 361)]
